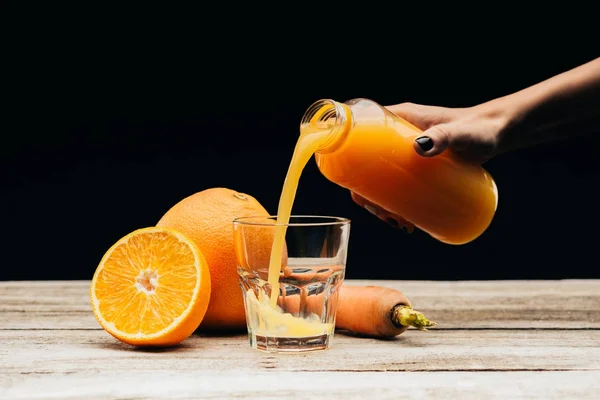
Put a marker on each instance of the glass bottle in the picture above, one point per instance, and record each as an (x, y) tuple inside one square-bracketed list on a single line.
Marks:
[(369, 151)]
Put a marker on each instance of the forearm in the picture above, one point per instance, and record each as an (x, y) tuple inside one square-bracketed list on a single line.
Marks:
[(565, 105)]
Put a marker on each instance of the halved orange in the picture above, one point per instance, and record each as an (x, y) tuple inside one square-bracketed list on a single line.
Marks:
[(151, 288)]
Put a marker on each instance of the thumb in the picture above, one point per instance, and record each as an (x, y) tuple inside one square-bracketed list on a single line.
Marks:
[(433, 141)]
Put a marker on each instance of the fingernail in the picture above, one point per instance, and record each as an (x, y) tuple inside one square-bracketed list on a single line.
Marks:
[(424, 143), (371, 209)]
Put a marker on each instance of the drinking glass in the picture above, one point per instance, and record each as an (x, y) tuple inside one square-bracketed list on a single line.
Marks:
[(295, 310)]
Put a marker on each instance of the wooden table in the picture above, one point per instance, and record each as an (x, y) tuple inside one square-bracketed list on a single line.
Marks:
[(504, 340)]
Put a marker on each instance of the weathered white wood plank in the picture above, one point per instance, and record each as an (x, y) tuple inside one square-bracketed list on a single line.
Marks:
[(66, 352), (562, 304), (193, 384), (70, 357)]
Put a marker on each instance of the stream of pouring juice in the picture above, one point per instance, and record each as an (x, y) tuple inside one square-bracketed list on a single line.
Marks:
[(307, 144), (288, 325)]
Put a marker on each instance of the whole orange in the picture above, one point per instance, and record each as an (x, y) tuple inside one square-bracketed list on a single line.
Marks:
[(207, 218)]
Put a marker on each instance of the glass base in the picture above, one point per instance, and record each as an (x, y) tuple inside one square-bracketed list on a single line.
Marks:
[(290, 344)]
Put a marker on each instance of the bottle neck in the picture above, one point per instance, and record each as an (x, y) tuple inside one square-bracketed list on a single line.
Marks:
[(328, 118)]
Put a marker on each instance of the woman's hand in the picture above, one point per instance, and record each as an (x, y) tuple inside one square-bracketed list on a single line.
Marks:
[(475, 134), (563, 106)]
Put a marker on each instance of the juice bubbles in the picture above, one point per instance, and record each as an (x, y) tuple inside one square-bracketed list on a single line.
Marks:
[(369, 151)]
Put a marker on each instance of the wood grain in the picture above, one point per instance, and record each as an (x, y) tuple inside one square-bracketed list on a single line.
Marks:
[(204, 384), (65, 352), (566, 304), (495, 340)]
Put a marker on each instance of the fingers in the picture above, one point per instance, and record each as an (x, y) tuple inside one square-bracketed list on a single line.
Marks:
[(435, 138), (423, 117), (393, 219), (432, 142), (413, 113)]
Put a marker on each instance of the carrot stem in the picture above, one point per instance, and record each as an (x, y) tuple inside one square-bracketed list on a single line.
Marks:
[(403, 315)]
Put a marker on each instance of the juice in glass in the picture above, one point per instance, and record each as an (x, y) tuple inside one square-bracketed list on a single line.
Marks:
[(307, 282)]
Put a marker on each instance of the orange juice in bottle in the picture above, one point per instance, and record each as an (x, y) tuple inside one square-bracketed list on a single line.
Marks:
[(369, 151)]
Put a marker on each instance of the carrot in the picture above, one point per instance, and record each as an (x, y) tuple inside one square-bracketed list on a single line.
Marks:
[(371, 311), (377, 311)]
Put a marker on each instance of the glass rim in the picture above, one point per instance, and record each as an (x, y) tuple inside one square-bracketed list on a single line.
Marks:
[(327, 220)]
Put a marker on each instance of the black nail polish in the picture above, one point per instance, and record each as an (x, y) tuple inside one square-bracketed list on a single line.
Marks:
[(425, 143)]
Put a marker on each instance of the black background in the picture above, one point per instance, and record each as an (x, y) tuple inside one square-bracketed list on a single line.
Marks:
[(106, 128)]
